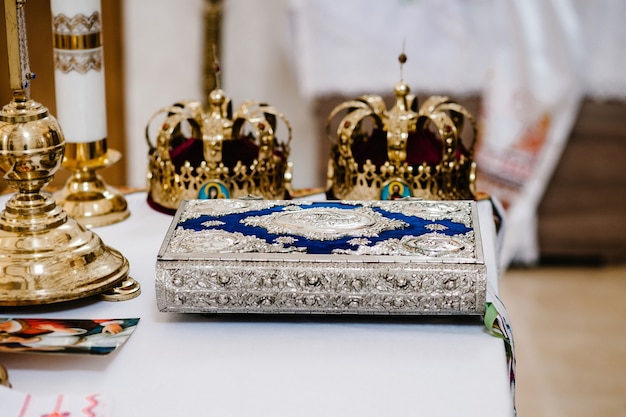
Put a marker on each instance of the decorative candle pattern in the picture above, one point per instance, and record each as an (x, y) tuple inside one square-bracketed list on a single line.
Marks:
[(79, 69), (77, 43)]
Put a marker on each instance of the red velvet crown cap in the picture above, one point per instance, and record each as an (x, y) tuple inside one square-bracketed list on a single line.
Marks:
[(422, 146)]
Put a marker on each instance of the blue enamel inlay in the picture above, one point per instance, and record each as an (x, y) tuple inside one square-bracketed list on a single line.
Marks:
[(415, 226)]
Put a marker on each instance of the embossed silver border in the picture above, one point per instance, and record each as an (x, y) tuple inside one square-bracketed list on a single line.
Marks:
[(319, 288)]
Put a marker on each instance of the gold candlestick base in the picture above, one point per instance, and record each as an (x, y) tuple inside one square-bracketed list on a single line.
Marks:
[(85, 196), (46, 256)]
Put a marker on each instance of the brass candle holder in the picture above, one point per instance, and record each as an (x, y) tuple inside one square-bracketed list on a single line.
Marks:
[(85, 196), (45, 255), (79, 75)]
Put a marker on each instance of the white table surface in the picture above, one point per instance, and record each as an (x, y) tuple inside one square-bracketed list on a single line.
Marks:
[(195, 365)]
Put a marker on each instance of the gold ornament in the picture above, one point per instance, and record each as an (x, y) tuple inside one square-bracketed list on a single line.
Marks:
[(402, 152), (203, 152)]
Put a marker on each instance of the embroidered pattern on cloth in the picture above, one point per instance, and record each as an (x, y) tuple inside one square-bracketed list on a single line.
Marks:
[(497, 324)]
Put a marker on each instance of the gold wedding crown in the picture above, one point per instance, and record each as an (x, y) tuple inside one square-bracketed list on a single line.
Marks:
[(203, 152), (380, 154)]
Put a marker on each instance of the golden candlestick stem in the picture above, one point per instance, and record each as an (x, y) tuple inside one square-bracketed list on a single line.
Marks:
[(45, 256), (85, 196)]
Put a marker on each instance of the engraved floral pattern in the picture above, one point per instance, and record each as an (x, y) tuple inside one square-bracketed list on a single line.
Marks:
[(436, 227), (456, 211), (326, 223), (359, 241), (285, 240), (270, 287), (196, 208), (214, 241), (432, 245), (212, 223)]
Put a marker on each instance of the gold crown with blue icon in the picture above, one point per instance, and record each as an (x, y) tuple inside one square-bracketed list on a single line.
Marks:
[(203, 152), (406, 151)]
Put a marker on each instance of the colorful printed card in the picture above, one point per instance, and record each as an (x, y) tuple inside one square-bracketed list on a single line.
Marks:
[(94, 336)]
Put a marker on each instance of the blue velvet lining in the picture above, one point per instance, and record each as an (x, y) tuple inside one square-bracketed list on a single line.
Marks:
[(415, 226)]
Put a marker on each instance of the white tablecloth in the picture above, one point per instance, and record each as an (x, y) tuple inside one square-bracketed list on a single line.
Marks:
[(195, 365)]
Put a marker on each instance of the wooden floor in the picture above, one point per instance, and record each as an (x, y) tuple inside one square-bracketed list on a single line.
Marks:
[(569, 325)]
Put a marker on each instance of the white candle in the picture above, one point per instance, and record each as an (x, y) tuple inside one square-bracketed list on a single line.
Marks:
[(79, 69)]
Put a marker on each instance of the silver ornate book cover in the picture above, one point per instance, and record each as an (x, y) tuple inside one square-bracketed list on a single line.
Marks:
[(403, 257)]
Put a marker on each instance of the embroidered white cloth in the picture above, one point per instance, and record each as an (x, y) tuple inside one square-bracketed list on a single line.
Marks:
[(351, 46), (532, 60), (15, 403), (530, 103)]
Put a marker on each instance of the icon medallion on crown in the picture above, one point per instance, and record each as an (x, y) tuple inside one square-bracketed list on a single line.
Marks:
[(406, 151), (210, 151)]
